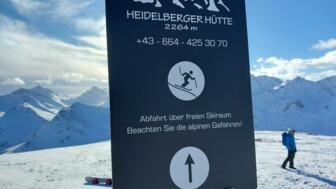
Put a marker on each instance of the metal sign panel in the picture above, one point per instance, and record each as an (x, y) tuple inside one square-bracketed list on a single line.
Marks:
[(180, 94)]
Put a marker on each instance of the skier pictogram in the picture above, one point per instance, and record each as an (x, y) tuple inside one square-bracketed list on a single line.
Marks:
[(186, 81), (188, 76)]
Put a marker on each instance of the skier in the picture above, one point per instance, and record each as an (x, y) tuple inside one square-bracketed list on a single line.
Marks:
[(187, 76), (289, 141)]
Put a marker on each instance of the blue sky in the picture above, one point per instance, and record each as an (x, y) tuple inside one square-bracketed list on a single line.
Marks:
[(285, 37), (61, 44), (289, 28)]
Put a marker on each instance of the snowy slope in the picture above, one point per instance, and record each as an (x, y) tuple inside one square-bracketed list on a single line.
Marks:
[(77, 125), (27, 116), (315, 161), (305, 105), (329, 84), (93, 97), (17, 126), (60, 168), (44, 102), (67, 167), (263, 84), (23, 111)]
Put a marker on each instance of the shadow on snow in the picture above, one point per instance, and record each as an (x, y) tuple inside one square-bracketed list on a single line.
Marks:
[(317, 177)]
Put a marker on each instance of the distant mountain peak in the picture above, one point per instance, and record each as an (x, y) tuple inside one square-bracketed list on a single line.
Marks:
[(329, 84), (44, 102), (77, 124), (268, 77), (95, 89), (331, 79), (95, 97), (298, 78), (300, 81), (42, 90), (38, 89)]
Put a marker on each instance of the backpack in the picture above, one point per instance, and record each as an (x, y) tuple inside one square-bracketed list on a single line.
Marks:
[(284, 135)]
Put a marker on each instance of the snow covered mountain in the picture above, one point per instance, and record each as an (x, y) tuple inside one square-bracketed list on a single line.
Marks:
[(42, 117), (17, 125), (31, 113), (329, 84), (44, 102), (23, 111), (305, 105), (93, 97), (77, 125)]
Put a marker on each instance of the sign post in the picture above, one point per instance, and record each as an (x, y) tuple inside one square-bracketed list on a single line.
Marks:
[(181, 110)]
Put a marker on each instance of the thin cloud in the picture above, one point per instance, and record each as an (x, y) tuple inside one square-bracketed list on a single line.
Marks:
[(66, 8), (55, 8), (309, 68), (287, 69), (97, 30), (91, 24), (13, 82), (28, 7), (33, 56), (260, 59), (329, 44), (321, 75), (94, 41), (48, 81)]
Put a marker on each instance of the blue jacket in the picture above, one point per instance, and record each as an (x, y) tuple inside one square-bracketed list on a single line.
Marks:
[(290, 142)]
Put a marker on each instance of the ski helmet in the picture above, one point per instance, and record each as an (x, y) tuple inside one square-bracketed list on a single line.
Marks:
[(291, 130)]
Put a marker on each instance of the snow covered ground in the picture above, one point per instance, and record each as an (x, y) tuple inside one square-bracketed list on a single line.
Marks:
[(67, 167), (315, 161), (58, 168)]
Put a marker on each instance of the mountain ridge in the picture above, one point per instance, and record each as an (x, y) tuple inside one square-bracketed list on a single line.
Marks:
[(36, 108), (76, 125), (305, 105)]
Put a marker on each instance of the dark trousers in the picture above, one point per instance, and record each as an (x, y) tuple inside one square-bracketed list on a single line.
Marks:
[(290, 159)]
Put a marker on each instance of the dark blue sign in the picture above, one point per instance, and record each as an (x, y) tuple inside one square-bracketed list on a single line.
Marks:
[(181, 110)]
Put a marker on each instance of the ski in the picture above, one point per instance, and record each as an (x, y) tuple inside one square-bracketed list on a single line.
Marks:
[(98, 181), (183, 88)]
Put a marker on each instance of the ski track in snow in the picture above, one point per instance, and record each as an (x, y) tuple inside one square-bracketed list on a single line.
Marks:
[(67, 167)]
